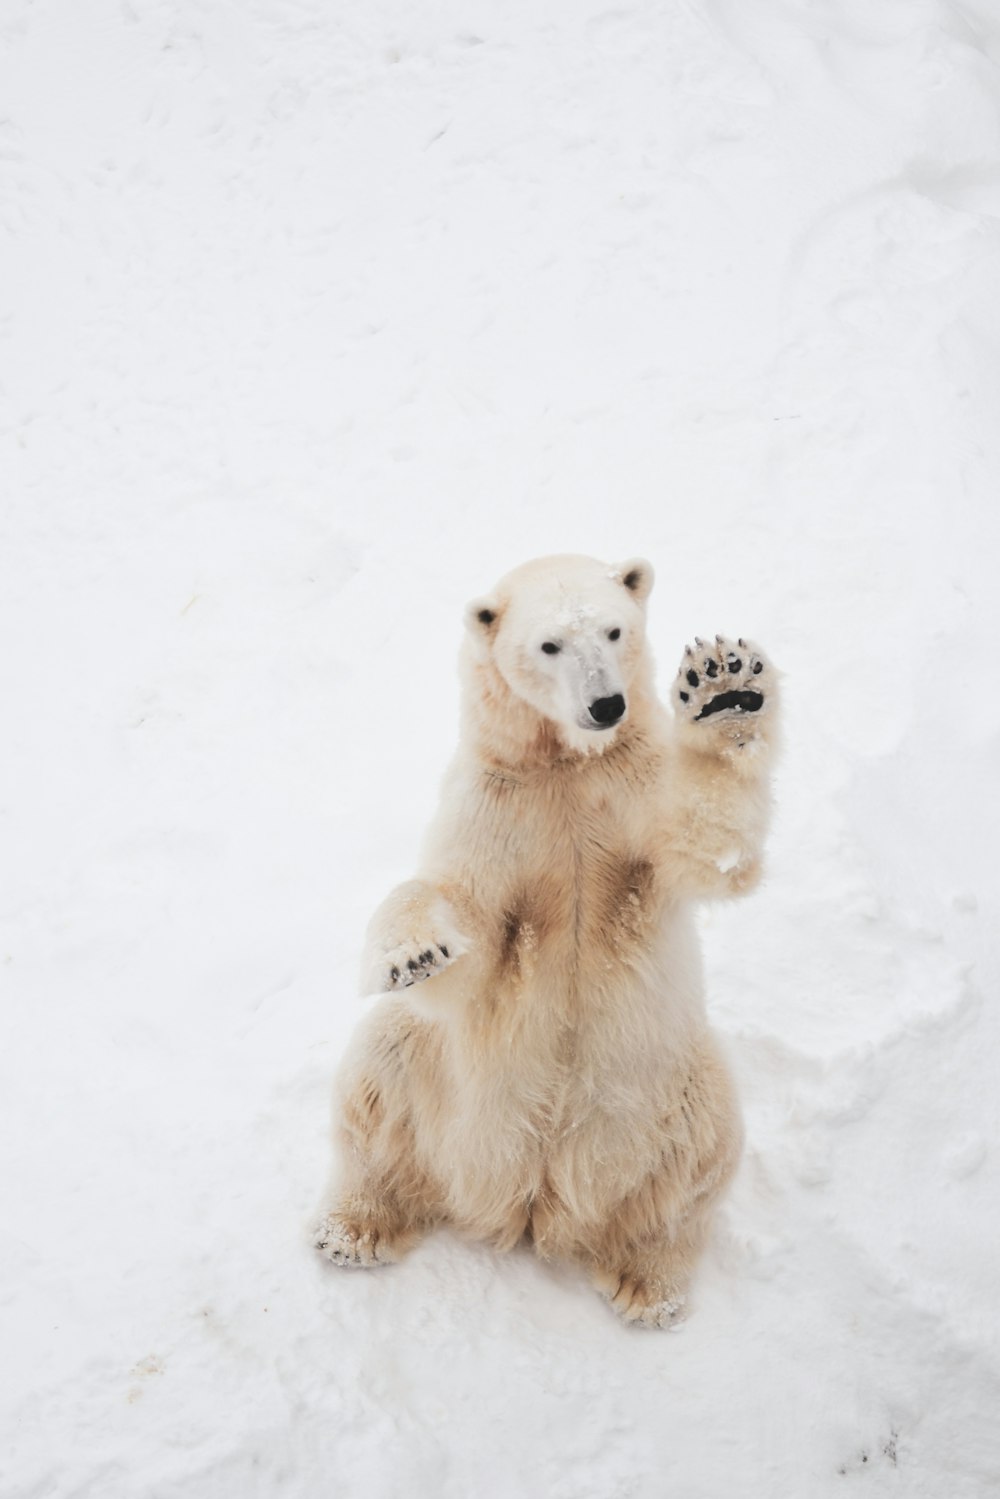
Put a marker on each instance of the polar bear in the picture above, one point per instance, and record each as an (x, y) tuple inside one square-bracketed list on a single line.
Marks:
[(540, 1066)]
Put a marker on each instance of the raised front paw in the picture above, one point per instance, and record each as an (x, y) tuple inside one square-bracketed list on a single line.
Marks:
[(725, 685)]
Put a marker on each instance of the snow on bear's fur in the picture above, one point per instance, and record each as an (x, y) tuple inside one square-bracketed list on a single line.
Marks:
[(541, 1064)]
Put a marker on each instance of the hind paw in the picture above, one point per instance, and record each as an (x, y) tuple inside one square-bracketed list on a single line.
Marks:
[(643, 1303), (344, 1242)]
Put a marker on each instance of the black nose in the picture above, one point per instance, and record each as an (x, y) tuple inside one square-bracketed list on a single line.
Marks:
[(608, 710)]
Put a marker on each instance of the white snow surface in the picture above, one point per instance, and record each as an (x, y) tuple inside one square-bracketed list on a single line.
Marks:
[(315, 317)]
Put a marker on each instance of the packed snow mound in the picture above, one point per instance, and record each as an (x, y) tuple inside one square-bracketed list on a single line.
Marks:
[(315, 318)]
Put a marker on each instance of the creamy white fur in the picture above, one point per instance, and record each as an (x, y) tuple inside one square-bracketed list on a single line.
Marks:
[(541, 1064)]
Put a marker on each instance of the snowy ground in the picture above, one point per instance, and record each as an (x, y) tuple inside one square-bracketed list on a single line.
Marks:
[(314, 318)]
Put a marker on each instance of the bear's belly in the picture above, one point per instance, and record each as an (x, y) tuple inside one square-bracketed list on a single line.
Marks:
[(550, 1151), (562, 1071)]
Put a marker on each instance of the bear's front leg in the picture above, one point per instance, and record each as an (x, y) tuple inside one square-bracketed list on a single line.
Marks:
[(413, 935), (725, 704)]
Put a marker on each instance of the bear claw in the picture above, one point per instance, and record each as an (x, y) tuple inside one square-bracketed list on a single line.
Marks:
[(405, 971), (346, 1243)]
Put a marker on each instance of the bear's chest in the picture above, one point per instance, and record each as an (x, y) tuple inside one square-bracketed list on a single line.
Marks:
[(574, 872)]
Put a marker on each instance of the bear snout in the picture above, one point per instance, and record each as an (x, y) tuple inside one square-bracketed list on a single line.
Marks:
[(608, 710)]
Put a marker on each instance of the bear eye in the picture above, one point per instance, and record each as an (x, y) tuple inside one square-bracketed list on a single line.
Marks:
[(614, 634), (550, 648)]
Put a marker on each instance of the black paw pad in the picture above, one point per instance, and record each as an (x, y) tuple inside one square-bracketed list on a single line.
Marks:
[(746, 701), (692, 677)]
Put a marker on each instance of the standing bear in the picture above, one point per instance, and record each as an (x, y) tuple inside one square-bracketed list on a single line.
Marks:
[(541, 1065)]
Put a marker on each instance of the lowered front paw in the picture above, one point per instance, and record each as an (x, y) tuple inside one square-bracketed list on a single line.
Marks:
[(412, 962), (422, 945), (725, 686)]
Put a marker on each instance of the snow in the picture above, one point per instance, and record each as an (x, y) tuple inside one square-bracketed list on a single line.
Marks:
[(316, 318)]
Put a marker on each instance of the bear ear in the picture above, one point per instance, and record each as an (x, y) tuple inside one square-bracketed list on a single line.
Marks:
[(637, 576), (481, 617)]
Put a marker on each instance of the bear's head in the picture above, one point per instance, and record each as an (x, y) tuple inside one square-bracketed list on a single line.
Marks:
[(558, 649)]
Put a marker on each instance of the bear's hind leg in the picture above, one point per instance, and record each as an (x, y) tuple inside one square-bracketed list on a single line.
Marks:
[(378, 1209), (382, 1200), (367, 1229), (643, 1259), (648, 1286)]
